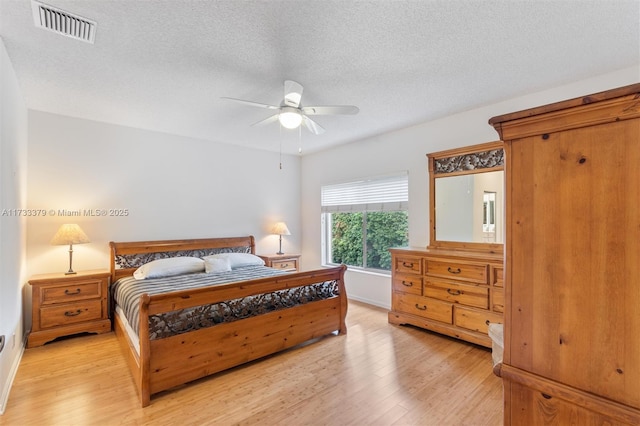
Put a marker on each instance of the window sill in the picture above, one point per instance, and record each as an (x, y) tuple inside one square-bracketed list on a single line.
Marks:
[(360, 270)]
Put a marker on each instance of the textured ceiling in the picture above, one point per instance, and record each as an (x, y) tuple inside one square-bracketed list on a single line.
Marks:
[(164, 65)]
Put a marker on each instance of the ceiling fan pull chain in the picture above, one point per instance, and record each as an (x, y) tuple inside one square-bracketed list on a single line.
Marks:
[(280, 146)]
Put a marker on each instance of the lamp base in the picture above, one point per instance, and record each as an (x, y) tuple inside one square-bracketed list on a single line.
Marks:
[(70, 271), (280, 247)]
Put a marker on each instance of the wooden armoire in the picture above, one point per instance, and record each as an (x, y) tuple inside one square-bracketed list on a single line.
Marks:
[(572, 271)]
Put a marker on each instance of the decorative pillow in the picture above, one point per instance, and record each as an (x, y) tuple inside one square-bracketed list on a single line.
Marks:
[(238, 260), (169, 267), (216, 264)]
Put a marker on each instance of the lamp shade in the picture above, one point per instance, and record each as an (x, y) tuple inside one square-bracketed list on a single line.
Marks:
[(69, 233), (280, 228)]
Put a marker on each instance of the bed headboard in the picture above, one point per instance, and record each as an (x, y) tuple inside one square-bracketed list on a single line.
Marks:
[(126, 257)]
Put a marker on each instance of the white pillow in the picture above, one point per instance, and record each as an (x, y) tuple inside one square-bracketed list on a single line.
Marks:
[(169, 267), (238, 260), (216, 264)]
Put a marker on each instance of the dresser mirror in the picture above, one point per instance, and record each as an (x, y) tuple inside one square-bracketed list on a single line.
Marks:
[(467, 198)]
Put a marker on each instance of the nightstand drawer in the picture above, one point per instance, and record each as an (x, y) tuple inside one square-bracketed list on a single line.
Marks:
[(282, 262), (70, 313), (285, 264), (78, 290)]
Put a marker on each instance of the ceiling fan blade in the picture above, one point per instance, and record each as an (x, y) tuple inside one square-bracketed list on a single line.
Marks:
[(251, 103), (313, 127), (331, 110), (292, 93), (268, 120)]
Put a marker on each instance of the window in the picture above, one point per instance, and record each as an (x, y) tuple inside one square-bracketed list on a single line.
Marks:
[(361, 220)]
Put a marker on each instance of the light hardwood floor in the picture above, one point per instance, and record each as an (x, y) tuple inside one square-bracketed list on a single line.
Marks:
[(376, 374)]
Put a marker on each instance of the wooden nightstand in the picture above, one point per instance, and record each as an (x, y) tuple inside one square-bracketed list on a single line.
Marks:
[(285, 262), (68, 304)]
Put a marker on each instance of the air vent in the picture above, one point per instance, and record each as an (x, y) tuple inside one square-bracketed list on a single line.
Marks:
[(64, 23)]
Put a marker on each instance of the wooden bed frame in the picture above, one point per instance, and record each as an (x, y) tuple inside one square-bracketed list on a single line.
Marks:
[(172, 361)]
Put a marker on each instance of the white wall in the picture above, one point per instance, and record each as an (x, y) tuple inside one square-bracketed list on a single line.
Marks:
[(13, 169), (406, 149), (172, 187)]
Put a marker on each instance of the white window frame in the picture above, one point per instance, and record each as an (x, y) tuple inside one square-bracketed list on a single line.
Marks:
[(374, 194)]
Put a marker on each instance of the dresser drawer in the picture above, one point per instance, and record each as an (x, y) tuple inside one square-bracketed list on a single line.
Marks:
[(422, 306), (497, 276), (407, 283), (475, 320), (70, 313), (477, 273), (498, 300), (285, 264), (407, 265), (464, 294), (78, 290)]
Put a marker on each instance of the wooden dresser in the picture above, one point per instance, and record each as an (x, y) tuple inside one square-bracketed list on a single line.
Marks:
[(452, 292), (572, 284), (68, 304)]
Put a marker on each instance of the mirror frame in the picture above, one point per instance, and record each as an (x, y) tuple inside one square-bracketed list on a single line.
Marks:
[(474, 162)]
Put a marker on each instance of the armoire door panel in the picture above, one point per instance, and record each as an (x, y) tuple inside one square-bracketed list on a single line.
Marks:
[(574, 250)]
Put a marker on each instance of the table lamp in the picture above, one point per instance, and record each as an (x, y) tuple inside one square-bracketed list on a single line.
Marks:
[(281, 229), (71, 234)]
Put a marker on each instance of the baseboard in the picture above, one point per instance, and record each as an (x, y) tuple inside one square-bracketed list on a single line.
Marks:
[(368, 301), (4, 396)]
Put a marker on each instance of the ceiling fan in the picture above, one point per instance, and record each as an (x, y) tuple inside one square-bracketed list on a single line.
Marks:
[(292, 114)]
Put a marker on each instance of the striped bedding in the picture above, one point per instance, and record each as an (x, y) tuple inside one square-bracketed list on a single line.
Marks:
[(127, 291)]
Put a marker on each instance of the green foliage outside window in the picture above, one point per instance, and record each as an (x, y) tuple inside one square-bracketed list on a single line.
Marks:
[(346, 238), (360, 235)]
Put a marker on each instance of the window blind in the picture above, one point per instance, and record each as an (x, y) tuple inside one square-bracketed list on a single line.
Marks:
[(383, 193)]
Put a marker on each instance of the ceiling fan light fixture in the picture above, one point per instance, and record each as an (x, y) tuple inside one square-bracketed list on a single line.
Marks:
[(290, 118)]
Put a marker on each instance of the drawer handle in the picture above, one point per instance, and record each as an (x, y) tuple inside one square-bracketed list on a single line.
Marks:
[(422, 308), (487, 322), (407, 265), (284, 265), (73, 314), (454, 271), (454, 292), (407, 284), (72, 293)]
